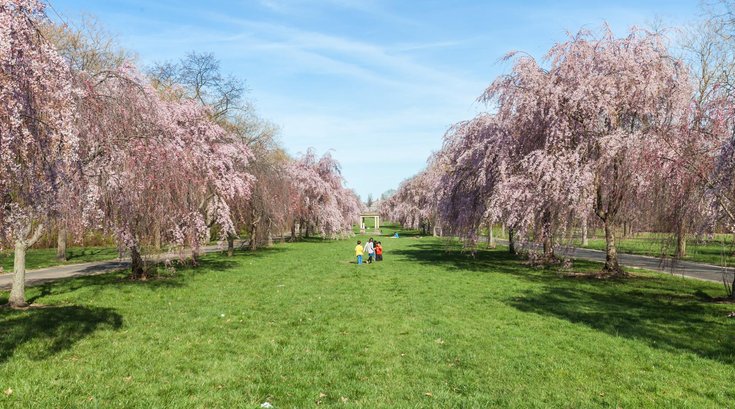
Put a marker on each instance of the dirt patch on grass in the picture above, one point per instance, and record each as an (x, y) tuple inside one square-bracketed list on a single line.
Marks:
[(597, 275), (24, 308)]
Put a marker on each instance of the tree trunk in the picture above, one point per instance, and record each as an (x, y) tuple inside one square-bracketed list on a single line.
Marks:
[(502, 231), (157, 237), (611, 253), (511, 241), (269, 243), (607, 217), (230, 245), (681, 241), (433, 232), (196, 251), (548, 246), (490, 236), (22, 243), (253, 237), (61, 244), (18, 292), (585, 239), (569, 233), (547, 238), (308, 230), (137, 267)]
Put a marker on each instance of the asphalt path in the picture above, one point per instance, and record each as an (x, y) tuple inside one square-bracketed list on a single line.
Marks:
[(44, 275), (699, 271)]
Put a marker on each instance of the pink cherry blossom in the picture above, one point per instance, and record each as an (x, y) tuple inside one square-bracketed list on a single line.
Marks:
[(38, 139)]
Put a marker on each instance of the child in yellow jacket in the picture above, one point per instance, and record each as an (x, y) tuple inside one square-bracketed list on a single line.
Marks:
[(358, 252)]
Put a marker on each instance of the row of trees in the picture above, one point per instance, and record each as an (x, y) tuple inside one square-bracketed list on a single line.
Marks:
[(166, 158), (605, 131)]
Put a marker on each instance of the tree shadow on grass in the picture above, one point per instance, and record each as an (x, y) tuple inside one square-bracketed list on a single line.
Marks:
[(95, 283), (314, 238), (642, 311), (247, 253), (666, 313), (51, 329), (78, 253), (453, 257), (406, 233), (118, 276)]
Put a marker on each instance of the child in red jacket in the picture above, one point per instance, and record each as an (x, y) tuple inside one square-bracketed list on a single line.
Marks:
[(378, 252)]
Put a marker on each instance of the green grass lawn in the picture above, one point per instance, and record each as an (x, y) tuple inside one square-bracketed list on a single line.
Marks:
[(41, 258), (301, 325)]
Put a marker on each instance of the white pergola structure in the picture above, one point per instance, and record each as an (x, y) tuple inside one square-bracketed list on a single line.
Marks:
[(374, 216)]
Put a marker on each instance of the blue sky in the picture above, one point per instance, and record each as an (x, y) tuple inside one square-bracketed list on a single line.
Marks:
[(377, 82)]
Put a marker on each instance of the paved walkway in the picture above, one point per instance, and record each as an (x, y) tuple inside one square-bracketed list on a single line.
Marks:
[(699, 271), (43, 275)]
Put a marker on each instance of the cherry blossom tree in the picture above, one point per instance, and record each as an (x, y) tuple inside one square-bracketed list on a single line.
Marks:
[(468, 172), (602, 107), (350, 207), (694, 191), (38, 140), (319, 200), (266, 212), (158, 163), (719, 179), (414, 203), (493, 169), (590, 133), (198, 77), (88, 49), (679, 202)]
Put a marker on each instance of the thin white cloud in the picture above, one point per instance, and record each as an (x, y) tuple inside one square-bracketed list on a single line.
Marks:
[(290, 6), (302, 7), (386, 64), (429, 46)]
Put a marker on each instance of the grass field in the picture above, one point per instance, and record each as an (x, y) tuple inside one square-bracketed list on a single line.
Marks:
[(301, 325), (41, 258)]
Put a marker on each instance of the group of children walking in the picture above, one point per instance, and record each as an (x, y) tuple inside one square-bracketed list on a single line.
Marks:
[(373, 249)]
